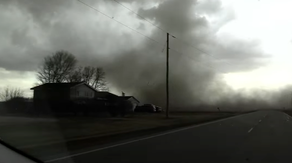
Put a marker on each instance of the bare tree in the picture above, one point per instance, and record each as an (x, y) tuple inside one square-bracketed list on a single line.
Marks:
[(99, 81), (95, 77), (88, 74), (57, 67), (10, 93), (76, 75)]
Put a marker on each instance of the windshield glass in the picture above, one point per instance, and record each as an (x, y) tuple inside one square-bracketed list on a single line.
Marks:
[(118, 81)]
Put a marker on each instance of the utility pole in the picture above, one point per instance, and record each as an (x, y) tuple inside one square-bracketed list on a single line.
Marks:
[(167, 76)]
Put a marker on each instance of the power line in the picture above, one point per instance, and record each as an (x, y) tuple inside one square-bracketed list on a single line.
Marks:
[(141, 16), (195, 60), (184, 42), (112, 18)]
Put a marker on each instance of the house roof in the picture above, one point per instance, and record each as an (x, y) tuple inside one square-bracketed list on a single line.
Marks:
[(128, 97), (57, 85), (106, 95)]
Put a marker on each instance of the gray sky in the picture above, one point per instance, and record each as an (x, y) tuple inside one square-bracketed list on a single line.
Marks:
[(241, 50)]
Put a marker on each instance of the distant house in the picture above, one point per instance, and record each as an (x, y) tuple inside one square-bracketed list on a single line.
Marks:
[(63, 91), (117, 104), (80, 98), (134, 102), (59, 96)]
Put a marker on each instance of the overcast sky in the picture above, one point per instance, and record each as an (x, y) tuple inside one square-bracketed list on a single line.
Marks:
[(243, 44)]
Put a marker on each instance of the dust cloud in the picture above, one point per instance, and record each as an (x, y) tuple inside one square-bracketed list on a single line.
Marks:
[(194, 83)]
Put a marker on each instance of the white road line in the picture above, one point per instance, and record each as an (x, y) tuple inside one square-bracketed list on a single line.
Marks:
[(287, 116), (250, 130), (141, 139)]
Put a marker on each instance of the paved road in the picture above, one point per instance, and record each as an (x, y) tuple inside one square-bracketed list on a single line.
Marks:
[(264, 136)]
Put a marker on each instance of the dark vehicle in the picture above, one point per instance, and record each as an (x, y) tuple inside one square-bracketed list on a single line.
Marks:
[(146, 108), (158, 109)]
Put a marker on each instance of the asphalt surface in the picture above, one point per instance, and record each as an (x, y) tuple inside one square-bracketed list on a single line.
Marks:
[(264, 136)]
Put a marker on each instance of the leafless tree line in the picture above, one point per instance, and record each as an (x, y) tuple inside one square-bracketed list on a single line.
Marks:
[(9, 93), (62, 67)]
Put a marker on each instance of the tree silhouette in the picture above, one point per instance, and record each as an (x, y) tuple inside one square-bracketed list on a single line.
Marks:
[(94, 76), (57, 67), (9, 93)]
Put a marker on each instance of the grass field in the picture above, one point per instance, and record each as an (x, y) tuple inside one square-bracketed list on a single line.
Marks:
[(21, 132)]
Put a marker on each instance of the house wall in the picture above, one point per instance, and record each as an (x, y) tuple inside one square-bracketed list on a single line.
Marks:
[(81, 91), (51, 95), (134, 103), (39, 94), (48, 101)]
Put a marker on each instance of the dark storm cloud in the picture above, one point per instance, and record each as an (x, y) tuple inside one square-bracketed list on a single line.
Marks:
[(41, 11), (39, 28), (22, 45), (175, 16), (55, 21), (133, 63)]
